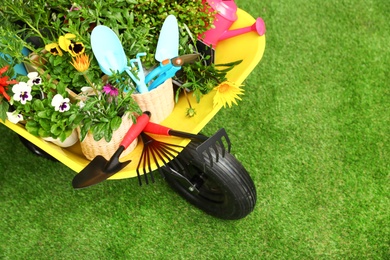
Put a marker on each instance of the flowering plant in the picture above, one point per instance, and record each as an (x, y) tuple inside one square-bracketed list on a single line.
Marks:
[(44, 107), (102, 111), (57, 37)]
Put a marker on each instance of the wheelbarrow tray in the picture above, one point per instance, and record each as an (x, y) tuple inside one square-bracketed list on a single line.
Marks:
[(247, 47)]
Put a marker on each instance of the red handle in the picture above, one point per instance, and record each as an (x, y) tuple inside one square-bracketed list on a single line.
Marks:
[(154, 128), (135, 130)]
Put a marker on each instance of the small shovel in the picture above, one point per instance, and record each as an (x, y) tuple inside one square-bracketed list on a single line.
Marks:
[(99, 169), (111, 56)]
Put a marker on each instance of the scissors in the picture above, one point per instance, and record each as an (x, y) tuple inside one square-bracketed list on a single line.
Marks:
[(167, 69)]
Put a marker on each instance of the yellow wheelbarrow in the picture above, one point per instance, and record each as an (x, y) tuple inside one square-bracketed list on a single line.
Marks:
[(199, 168)]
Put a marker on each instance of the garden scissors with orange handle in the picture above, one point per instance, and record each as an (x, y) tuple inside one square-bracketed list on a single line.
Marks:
[(167, 69)]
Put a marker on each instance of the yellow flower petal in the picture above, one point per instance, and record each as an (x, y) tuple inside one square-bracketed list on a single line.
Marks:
[(53, 48), (227, 93), (66, 40), (70, 36), (64, 43)]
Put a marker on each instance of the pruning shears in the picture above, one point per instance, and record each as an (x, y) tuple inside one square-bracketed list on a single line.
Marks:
[(167, 69)]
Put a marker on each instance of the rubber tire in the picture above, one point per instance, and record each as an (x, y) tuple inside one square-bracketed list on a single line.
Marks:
[(226, 189), (36, 150)]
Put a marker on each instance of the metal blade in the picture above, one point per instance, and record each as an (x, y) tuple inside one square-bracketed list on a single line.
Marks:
[(183, 59)]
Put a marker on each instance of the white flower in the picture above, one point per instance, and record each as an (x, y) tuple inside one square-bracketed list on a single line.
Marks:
[(14, 117), (60, 103), (22, 92), (34, 79)]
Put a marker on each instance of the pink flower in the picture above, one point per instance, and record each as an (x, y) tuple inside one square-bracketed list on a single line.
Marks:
[(110, 90)]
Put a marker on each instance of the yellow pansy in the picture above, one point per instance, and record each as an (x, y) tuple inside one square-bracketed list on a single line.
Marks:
[(53, 48), (65, 41), (76, 48)]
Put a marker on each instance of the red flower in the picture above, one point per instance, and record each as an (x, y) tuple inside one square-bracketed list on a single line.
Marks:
[(4, 82)]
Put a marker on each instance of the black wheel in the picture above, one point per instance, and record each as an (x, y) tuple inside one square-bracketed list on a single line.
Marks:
[(224, 190), (35, 149)]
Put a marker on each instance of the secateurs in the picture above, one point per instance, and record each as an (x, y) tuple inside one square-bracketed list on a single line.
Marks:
[(167, 69), (167, 53)]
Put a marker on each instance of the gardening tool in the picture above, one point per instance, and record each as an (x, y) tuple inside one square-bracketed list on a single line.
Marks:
[(155, 151), (110, 55), (167, 69), (99, 169), (225, 17), (140, 78), (167, 49), (208, 142)]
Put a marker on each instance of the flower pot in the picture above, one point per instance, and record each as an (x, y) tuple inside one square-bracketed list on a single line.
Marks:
[(159, 101), (69, 141), (92, 148)]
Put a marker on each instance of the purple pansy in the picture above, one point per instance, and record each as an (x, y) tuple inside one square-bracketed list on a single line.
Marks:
[(34, 79), (60, 103), (22, 92)]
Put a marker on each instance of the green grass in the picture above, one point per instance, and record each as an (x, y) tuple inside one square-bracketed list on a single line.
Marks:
[(312, 130)]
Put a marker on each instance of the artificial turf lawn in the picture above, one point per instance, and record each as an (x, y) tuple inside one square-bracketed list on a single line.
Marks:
[(312, 130)]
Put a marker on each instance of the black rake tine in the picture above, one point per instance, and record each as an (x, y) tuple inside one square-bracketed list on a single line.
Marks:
[(145, 151), (208, 152), (149, 169), (161, 155), (168, 149), (216, 153), (164, 152), (156, 161), (156, 151), (165, 149), (144, 165), (139, 163)]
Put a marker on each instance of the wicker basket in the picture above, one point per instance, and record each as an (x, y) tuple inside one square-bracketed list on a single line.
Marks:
[(159, 102), (92, 148)]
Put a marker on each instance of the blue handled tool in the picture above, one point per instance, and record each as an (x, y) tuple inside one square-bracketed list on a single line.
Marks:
[(110, 55), (167, 69), (139, 79), (167, 49)]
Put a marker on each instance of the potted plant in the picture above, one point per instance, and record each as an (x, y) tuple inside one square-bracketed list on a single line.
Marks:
[(42, 106), (55, 38)]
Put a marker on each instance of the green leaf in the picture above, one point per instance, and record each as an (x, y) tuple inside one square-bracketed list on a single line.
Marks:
[(32, 128), (55, 130), (98, 131), (108, 133), (61, 88), (43, 114), (45, 124), (38, 105), (115, 123), (43, 133), (4, 106), (58, 60)]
